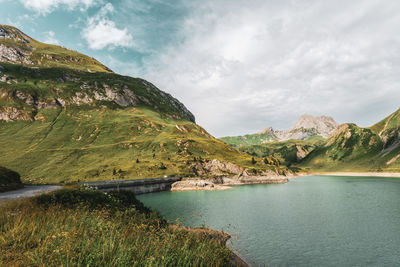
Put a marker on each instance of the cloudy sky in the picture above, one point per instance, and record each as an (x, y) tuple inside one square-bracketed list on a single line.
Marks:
[(238, 65)]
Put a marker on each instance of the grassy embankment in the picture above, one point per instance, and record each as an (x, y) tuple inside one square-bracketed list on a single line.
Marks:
[(80, 227)]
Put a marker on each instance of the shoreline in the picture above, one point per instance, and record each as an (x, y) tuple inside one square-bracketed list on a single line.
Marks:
[(357, 174), (224, 183)]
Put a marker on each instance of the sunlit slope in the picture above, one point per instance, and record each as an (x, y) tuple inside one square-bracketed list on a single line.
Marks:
[(17, 47), (95, 144), (353, 148)]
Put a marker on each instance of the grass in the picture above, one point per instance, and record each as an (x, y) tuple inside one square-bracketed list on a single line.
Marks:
[(48, 55), (352, 148), (249, 139), (9, 180), (76, 143), (287, 152), (81, 228)]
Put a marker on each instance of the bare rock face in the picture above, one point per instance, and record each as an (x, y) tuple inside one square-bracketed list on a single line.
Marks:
[(13, 35), (323, 125), (13, 114), (268, 130), (305, 127), (216, 167), (10, 54)]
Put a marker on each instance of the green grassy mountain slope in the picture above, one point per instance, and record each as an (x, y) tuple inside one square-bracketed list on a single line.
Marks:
[(68, 118), (250, 139), (389, 130), (288, 152), (17, 47), (353, 148)]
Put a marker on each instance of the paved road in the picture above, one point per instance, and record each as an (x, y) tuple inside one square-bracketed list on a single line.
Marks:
[(28, 191)]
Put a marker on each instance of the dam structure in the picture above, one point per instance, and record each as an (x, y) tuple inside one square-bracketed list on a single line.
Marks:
[(137, 186)]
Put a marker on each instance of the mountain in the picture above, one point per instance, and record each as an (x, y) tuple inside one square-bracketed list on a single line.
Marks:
[(322, 125), (288, 152), (306, 127), (66, 117), (353, 148)]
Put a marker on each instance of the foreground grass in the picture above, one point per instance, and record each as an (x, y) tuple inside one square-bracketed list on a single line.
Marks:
[(73, 227)]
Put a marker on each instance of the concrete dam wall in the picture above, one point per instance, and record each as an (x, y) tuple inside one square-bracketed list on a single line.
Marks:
[(139, 186)]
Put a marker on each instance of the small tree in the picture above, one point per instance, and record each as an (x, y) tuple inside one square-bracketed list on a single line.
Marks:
[(137, 161), (114, 171), (253, 161)]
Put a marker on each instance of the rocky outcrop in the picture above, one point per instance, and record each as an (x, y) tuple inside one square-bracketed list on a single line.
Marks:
[(13, 55), (197, 185), (14, 114), (224, 183), (13, 34), (123, 97), (216, 167)]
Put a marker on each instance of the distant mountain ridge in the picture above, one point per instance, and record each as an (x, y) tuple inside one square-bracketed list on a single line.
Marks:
[(307, 126), (351, 147), (348, 148)]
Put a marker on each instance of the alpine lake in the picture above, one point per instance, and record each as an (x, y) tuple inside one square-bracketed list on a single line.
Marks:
[(309, 221)]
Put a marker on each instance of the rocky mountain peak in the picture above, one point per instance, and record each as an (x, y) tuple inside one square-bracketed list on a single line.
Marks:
[(269, 130), (324, 125)]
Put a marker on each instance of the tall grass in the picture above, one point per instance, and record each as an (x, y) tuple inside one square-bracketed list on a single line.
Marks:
[(73, 231)]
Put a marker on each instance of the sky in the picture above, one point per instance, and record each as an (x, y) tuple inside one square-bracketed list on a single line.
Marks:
[(238, 65)]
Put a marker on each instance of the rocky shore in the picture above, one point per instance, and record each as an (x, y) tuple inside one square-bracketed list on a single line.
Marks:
[(224, 183)]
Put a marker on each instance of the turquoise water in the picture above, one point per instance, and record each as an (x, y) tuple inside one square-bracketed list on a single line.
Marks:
[(310, 221)]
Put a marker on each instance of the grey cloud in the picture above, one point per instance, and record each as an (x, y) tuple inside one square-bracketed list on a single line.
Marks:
[(246, 65)]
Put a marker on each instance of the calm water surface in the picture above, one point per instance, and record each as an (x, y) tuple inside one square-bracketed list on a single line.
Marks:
[(310, 221)]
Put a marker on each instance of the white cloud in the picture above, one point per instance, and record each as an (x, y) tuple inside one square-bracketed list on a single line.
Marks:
[(101, 32), (243, 66), (46, 6), (50, 38)]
